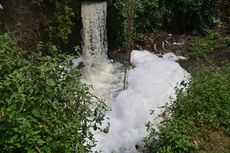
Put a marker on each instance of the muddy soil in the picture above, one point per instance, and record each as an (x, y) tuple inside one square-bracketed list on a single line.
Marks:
[(163, 42)]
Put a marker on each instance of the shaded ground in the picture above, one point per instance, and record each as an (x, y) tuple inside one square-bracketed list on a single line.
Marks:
[(181, 45), (219, 57), (178, 44), (163, 42), (209, 140)]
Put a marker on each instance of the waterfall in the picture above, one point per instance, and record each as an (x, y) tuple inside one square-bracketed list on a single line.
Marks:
[(98, 70), (151, 84), (94, 36)]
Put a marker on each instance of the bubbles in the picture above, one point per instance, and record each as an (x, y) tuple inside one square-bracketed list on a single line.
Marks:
[(151, 84)]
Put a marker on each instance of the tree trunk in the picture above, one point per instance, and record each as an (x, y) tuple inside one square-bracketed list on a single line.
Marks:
[(129, 29)]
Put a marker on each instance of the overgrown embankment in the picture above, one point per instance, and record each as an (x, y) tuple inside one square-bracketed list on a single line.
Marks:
[(199, 119), (43, 105)]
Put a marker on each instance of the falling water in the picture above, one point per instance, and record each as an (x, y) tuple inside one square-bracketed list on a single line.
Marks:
[(151, 84), (98, 70), (94, 36)]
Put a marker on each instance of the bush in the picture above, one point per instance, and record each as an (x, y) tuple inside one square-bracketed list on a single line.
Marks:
[(192, 15), (116, 20), (208, 96), (208, 44), (10, 57), (150, 15), (176, 16), (44, 107), (206, 103)]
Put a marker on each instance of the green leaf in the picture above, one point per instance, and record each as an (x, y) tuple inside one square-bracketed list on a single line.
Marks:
[(18, 145), (36, 113), (51, 82), (52, 115), (40, 142), (55, 105)]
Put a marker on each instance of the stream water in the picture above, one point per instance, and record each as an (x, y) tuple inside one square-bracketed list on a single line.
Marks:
[(151, 84), (103, 74)]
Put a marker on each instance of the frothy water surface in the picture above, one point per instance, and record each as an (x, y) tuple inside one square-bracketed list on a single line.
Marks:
[(150, 84), (98, 70)]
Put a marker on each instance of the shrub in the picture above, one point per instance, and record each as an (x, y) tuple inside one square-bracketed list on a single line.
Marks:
[(61, 22), (208, 44), (44, 107), (150, 15), (116, 19), (10, 57), (192, 15), (206, 103), (177, 16), (208, 96)]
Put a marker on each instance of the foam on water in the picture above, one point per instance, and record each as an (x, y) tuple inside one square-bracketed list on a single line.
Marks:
[(98, 70), (150, 84)]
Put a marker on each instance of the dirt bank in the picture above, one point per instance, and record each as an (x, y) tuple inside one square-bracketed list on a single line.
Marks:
[(219, 57)]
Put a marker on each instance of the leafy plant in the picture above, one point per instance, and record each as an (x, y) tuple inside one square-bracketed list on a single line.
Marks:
[(116, 23), (176, 16), (149, 15), (206, 103), (60, 19), (43, 105), (207, 44), (10, 57)]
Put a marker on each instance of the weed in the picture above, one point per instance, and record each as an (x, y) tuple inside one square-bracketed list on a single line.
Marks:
[(205, 104), (43, 105), (208, 44)]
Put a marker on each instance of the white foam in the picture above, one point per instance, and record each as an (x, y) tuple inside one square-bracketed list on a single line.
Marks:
[(98, 70), (150, 84)]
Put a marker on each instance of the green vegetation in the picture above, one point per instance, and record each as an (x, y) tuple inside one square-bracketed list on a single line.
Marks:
[(207, 44), (43, 105), (45, 108), (199, 118), (59, 19), (54, 23), (151, 15), (116, 19), (177, 15)]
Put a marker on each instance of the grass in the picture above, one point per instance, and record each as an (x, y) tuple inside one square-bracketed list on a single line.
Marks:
[(208, 44), (199, 119)]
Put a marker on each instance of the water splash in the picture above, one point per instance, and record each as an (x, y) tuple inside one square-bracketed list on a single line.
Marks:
[(98, 70), (151, 83)]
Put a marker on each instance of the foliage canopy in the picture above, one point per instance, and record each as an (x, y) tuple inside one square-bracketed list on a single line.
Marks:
[(43, 105)]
